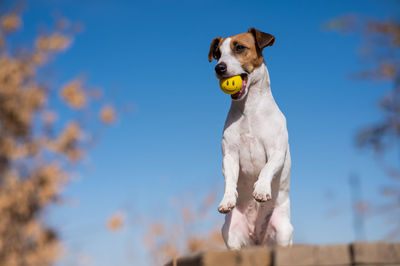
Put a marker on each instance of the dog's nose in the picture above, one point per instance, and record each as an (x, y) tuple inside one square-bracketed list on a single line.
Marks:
[(220, 68)]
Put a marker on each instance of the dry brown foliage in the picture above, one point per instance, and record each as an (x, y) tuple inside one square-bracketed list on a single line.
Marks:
[(74, 94), (116, 222), (34, 157), (381, 57), (107, 114), (191, 230)]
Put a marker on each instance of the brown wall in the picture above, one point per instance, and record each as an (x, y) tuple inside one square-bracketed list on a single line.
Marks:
[(379, 253)]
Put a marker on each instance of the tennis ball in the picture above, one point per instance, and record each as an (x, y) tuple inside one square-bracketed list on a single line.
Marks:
[(231, 85)]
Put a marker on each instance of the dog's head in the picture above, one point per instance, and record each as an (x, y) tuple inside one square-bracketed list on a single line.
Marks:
[(239, 55)]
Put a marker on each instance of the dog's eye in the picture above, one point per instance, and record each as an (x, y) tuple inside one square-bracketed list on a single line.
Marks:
[(217, 54), (239, 48)]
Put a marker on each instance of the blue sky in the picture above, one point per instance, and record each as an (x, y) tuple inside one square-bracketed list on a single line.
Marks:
[(153, 54)]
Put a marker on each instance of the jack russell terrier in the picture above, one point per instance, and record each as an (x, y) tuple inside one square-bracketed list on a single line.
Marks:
[(256, 158)]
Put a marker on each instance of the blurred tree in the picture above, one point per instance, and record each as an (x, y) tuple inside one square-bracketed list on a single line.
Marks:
[(381, 57), (35, 157), (189, 232)]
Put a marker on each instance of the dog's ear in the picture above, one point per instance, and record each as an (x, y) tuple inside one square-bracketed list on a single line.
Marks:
[(262, 39), (213, 49)]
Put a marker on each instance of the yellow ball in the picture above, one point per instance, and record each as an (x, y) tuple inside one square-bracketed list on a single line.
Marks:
[(231, 85)]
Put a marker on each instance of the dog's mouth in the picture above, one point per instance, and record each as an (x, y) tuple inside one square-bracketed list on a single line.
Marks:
[(243, 89)]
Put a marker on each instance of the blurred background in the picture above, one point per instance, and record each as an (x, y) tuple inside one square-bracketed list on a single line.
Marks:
[(111, 121)]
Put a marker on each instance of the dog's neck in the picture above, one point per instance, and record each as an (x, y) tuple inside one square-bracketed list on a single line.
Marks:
[(259, 92)]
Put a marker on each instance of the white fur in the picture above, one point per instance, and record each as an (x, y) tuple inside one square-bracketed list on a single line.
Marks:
[(256, 164), (234, 67)]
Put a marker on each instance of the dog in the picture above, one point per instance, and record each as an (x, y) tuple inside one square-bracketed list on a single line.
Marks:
[(256, 158)]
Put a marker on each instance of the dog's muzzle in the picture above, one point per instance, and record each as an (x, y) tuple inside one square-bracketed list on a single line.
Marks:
[(221, 68)]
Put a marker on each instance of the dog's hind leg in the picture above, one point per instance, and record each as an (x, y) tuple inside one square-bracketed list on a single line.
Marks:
[(236, 230), (281, 226)]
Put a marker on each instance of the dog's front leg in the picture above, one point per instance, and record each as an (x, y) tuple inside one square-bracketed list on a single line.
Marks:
[(230, 169), (262, 187)]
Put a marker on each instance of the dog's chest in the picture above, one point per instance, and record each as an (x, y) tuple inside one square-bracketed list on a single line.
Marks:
[(252, 155)]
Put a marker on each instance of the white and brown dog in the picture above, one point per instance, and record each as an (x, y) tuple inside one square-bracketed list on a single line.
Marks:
[(256, 157)]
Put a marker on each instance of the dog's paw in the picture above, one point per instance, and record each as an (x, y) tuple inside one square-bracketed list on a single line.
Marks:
[(228, 202), (262, 192)]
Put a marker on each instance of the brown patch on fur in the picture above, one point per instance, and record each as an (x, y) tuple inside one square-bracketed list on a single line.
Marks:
[(251, 57), (213, 49), (262, 39)]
